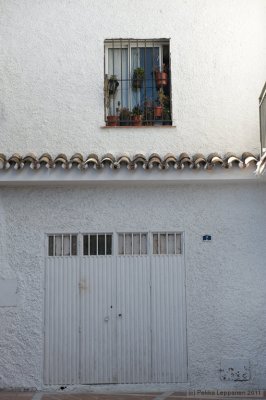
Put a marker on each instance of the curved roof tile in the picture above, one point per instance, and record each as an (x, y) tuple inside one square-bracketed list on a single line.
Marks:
[(183, 161), (155, 159), (199, 161), (139, 159), (92, 159), (123, 159), (231, 158), (171, 160), (108, 159), (47, 159)]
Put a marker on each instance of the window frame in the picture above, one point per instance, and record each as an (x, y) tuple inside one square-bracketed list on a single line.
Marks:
[(132, 233), (53, 236), (128, 44), (97, 234), (167, 233)]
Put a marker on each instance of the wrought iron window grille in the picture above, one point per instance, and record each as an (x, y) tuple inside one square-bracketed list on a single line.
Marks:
[(137, 83)]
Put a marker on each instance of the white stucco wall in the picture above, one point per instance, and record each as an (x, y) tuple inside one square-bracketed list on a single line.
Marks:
[(51, 70), (225, 278), (51, 83)]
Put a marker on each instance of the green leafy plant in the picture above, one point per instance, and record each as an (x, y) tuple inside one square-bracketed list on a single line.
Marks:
[(125, 116), (137, 110), (112, 84), (138, 77), (148, 114), (163, 100)]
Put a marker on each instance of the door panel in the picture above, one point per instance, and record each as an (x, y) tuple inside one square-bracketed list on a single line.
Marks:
[(61, 336), (168, 319), (97, 322), (133, 325)]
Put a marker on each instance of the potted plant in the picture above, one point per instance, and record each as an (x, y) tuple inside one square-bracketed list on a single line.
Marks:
[(112, 120), (137, 116), (112, 84), (167, 120), (161, 102), (161, 77), (138, 77), (148, 112), (158, 111), (125, 117)]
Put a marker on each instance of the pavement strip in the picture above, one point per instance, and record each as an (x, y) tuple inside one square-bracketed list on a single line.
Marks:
[(37, 396), (163, 396)]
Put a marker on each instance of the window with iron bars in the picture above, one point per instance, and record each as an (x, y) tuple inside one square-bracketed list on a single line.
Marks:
[(137, 84)]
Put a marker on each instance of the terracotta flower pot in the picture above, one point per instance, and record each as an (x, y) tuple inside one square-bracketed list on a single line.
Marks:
[(161, 79), (137, 120), (158, 111), (137, 83), (112, 120)]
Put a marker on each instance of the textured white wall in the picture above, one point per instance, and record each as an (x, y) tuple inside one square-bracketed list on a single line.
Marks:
[(51, 70), (225, 278)]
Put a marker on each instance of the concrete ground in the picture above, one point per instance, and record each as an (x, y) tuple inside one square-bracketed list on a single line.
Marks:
[(119, 396)]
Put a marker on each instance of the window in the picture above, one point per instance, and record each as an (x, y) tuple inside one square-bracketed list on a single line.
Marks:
[(62, 245), (97, 244), (166, 243), (132, 244), (137, 83)]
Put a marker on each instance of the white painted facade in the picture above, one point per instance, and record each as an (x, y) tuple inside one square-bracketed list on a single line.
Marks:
[(225, 279), (52, 70)]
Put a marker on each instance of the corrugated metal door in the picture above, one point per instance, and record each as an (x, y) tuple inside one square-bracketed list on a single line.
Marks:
[(61, 347), (117, 318)]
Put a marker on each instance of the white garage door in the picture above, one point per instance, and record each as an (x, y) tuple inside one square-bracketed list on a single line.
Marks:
[(115, 309)]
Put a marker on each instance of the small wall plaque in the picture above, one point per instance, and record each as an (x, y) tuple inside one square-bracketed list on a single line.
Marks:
[(206, 238)]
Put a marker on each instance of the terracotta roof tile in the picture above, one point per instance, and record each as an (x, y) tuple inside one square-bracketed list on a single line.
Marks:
[(124, 159), (47, 160), (139, 159), (108, 159), (231, 159), (214, 159), (169, 160), (185, 160), (249, 158), (153, 161), (92, 160), (199, 161)]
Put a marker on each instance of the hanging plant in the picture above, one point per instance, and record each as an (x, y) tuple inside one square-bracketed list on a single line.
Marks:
[(112, 85), (161, 77), (138, 77)]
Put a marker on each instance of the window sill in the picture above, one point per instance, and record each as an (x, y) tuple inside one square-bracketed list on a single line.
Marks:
[(140, 127)]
